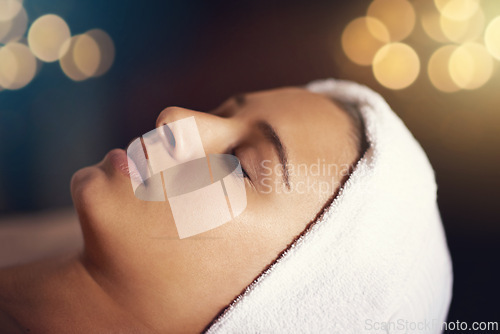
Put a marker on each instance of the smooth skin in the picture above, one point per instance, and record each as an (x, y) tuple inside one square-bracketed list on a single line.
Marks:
[(135, 275)]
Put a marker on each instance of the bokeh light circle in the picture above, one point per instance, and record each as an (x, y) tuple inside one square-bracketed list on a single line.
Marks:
[(86, 55), (460, 31), (47, 36), (397, 15), (67, 62), (82, 59), (362, 38), (17, 66), (457, 9), (14, 29), (9, 9), (470, 66), (438, 72), (492, 37), (396, 65), (430, 19), (106, 49)]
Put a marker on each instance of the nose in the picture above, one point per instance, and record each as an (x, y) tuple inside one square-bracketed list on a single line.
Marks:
[(218, 134)]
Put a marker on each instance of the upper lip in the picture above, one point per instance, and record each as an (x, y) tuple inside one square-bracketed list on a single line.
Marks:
[(162, 135)]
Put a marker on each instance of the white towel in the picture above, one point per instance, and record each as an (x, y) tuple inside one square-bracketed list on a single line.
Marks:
[(376, 262)]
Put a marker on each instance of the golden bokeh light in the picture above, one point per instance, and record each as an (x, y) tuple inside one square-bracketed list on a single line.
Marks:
[(82, 59), (492, 37), (362, 38), (47, 36), (49, 39), (438, 72), (396, 65), (106, 48), (430, 18), (86, 55), (17, 66), (67, 62), (9, 9), (12, 30), (461, 31), (457, 9), (470, 66), (397, 15)]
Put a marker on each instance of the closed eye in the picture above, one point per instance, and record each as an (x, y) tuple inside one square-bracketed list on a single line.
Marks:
[(243, 171)]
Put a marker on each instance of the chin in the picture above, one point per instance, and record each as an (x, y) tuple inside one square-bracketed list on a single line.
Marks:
[(86, 186)]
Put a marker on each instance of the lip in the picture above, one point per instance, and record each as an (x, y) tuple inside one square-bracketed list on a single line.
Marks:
[(126, 161), (119, 161), (122, 164)]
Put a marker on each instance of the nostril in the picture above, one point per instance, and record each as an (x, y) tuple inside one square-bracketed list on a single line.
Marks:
[(169, 135)]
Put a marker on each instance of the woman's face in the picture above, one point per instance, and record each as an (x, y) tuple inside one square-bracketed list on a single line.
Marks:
[(134, 243)]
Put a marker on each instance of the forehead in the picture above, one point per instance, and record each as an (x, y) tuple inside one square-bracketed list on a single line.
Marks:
[(311, 126)]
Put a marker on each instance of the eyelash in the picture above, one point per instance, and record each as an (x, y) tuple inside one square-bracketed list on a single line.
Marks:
[(243, 171)]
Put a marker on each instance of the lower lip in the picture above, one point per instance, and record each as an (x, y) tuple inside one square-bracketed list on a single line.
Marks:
[(119, 161)]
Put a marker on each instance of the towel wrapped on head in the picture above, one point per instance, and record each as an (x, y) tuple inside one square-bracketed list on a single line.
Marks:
[(375, 260)]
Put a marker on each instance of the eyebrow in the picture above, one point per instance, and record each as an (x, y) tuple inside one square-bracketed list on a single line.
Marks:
[(272, 136)]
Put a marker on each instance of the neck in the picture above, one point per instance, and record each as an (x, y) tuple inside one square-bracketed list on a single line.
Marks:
[(154, 294), (30, 296)]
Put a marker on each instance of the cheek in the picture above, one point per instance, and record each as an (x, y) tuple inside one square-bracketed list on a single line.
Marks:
[(283, 216), (271, 220), (155, 221)]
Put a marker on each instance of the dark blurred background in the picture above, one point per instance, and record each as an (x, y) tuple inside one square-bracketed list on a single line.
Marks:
[(197, 53)]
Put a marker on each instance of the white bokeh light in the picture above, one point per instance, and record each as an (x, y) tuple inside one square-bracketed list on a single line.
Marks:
[(17, 66), (47, 37)]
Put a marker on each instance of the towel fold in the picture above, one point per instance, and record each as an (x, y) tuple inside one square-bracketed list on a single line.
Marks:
[(376, 261)]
